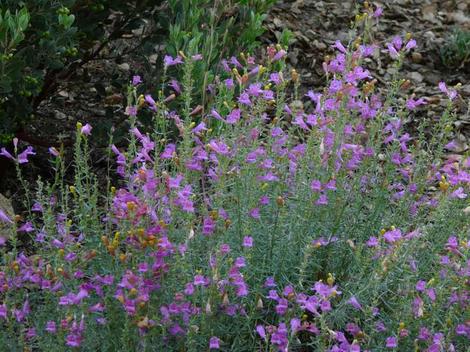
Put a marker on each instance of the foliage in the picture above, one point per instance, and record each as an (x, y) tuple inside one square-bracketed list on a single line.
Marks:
[(44, 42), (275, 222), (456, 52)]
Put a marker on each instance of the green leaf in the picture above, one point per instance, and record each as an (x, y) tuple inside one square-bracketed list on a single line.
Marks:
[(23, 19), (66, 20)]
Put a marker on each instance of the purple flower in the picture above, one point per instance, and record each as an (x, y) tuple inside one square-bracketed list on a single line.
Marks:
[(27, 227), (189, 289), (275, 78), (254, 213), (420, 285), (315, 186), (279, 55), (4, 217), (424, 334), (23, 157), (200, 280), (208, 226), (151, 102), (355, 303), (261, 331), (54, 152), (3, 311), (269, 177), (175, 85), (244, 99), (170, 61), (240, 262), (234, 116), (411, 44), (338, 45), (136, 80), (229, 83), (391, 342), (199, 128), (6, 154), (51, 327), (255, 89), (224, 248), (234, 61), (168, 151), (247, 241), (392, 51), (378, 12), (269, 282), (322, 200), (459, 193), (86, 130), (372, 241), (214, 343), (412, 104), (452, 94), (462, 329), (397, 42), (392, 235)]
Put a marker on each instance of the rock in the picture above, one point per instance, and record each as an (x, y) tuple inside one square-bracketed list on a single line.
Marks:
[(465, 89), (63, 94), (416, 76), (278, 23), (459, 17), (125, 66), (416, 57), (432, 78), (59, 115), (153, 59), (319, 45)]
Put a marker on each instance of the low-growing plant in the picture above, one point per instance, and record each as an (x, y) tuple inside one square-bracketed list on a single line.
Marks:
[(456, 52), (276, 222)]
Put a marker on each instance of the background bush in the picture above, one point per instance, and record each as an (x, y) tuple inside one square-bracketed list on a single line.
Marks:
[(44, 42)]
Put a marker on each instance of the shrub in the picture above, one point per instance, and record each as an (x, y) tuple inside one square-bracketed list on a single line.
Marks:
[(276, 222), (46, 41)]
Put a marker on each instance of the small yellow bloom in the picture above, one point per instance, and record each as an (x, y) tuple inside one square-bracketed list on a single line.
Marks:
[(330, 280)]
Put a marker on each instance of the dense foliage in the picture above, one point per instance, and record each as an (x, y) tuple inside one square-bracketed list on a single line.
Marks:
[(44, 42), (274, 222)]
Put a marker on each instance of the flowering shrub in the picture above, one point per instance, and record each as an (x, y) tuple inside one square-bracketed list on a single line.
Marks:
[(275, 223)]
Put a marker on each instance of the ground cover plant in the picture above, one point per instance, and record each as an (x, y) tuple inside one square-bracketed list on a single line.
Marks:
[(273, 222)]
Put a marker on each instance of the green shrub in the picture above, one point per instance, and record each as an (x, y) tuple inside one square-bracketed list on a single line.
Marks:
[(45, 41)]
